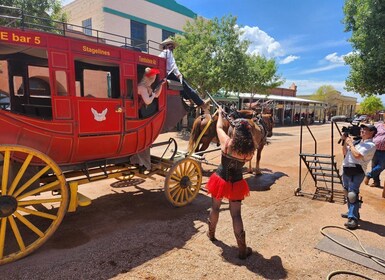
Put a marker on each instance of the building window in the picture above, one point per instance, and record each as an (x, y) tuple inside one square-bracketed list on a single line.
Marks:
[(166, 34), (87, 26), (138, 35)]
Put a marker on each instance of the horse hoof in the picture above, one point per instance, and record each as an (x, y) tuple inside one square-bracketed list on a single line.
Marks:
[(258, 173)]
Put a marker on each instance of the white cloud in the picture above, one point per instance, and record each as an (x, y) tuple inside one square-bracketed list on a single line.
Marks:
[(332, 61), (261, 42), (321, 69), (289, 59), (334, 58)]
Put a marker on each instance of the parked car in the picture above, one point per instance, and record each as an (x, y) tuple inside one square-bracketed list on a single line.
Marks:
[(362, 118)]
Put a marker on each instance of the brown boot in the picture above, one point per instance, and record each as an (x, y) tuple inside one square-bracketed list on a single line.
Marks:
[(244, 251), (211, 231)]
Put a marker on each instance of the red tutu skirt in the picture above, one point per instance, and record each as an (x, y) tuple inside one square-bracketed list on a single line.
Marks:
[(219, 188)]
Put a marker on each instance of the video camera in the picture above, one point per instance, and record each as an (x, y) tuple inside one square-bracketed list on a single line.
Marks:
[(352, 130)]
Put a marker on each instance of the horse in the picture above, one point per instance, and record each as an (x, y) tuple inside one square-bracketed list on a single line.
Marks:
[(262, 125)]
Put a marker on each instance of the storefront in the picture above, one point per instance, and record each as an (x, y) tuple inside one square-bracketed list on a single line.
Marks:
[(286, 110)]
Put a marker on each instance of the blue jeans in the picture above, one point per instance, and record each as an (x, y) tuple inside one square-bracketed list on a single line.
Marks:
[(188, 92), (378, 164), (352, 184)]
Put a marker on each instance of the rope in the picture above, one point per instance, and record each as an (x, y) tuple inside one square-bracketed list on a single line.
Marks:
[(337, 272), (377, 259)]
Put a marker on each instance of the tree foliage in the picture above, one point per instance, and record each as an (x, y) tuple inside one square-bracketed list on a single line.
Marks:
[(327, 94), (261, 74), (371, 105), (212, 57), (46, 9), (365, 19)]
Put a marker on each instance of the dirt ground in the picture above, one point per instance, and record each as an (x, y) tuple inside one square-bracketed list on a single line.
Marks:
[(131, 231)]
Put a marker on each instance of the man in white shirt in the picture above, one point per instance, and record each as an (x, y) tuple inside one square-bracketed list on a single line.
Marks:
[(188, 92), (356, 159)]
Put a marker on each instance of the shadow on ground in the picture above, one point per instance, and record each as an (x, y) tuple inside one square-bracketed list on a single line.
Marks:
[(372, 227), (282, 134), (264, 182), (113, 235), (267, 268)]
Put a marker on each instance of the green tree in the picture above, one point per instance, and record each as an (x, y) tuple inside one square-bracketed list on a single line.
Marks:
[(261, 75), (371, 105), (212, 57), (326, 93), (365, 19), (45, 9), (329, 95)]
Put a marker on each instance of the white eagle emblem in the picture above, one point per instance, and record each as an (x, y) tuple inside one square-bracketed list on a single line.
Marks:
[(99, 117)]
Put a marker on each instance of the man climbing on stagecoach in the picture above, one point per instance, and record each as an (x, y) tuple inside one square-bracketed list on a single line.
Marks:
[(188, 92)]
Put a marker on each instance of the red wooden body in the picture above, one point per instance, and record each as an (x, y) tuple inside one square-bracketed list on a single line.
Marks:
[(74, 134)]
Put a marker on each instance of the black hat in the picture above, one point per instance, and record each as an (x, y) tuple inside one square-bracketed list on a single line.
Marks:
[(370, 127)]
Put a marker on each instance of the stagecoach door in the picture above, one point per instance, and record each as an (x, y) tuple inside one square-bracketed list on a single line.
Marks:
[(99, 107)]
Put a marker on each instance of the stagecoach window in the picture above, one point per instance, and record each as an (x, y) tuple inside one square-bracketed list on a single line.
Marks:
[(130, 89), (18, 85), (38, 87), (4, 86), (97, 80), (61, 83), (38, 81)]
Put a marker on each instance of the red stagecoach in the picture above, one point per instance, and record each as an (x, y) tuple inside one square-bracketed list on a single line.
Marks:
[(69, 115)]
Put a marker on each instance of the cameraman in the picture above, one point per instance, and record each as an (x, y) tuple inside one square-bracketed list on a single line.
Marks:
[(356, 159)]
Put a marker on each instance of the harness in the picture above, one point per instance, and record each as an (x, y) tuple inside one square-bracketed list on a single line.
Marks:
[(258, 120)]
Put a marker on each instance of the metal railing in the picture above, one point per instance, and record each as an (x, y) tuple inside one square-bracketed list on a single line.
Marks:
[(17, 18)]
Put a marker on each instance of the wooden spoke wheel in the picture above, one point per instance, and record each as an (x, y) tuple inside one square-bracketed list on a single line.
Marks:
[(33, 200), (183, 182)]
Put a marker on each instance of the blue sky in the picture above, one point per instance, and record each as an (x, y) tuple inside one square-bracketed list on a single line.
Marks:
[(306, 37)]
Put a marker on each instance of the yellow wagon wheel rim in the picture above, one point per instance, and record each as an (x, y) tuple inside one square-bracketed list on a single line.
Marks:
[(183, 182), (33, 200)]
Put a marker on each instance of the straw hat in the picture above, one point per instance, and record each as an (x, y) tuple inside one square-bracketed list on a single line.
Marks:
[(167, 42)]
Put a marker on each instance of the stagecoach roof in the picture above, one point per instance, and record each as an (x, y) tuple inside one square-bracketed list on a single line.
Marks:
[(279, 98)]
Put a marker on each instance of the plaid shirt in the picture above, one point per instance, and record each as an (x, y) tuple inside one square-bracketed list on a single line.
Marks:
[(379, 138)]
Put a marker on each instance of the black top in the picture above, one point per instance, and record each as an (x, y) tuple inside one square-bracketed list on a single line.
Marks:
[(230, 168)]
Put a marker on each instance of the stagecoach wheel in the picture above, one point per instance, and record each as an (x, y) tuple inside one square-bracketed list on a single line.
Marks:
[(33, 201), (183, 182)]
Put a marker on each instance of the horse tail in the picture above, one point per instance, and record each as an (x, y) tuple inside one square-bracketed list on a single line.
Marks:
[(195, 132)]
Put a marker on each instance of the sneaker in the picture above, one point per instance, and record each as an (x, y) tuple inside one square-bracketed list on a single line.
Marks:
[(344, 215), (374, 185), (351, 224), (366, 180)]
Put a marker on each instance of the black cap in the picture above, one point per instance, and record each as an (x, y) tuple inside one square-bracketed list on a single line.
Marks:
[(370, 127)]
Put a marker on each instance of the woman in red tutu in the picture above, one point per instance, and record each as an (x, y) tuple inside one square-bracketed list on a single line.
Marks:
[(227, 182)]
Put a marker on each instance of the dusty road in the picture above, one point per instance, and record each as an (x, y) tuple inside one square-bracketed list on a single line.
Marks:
[(131, 231)]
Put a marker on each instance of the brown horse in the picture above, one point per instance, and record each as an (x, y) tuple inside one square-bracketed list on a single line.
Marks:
[(262, 125)]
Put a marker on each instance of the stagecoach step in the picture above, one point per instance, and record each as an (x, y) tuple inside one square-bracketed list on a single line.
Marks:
[(83, 200), (76, 198)]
